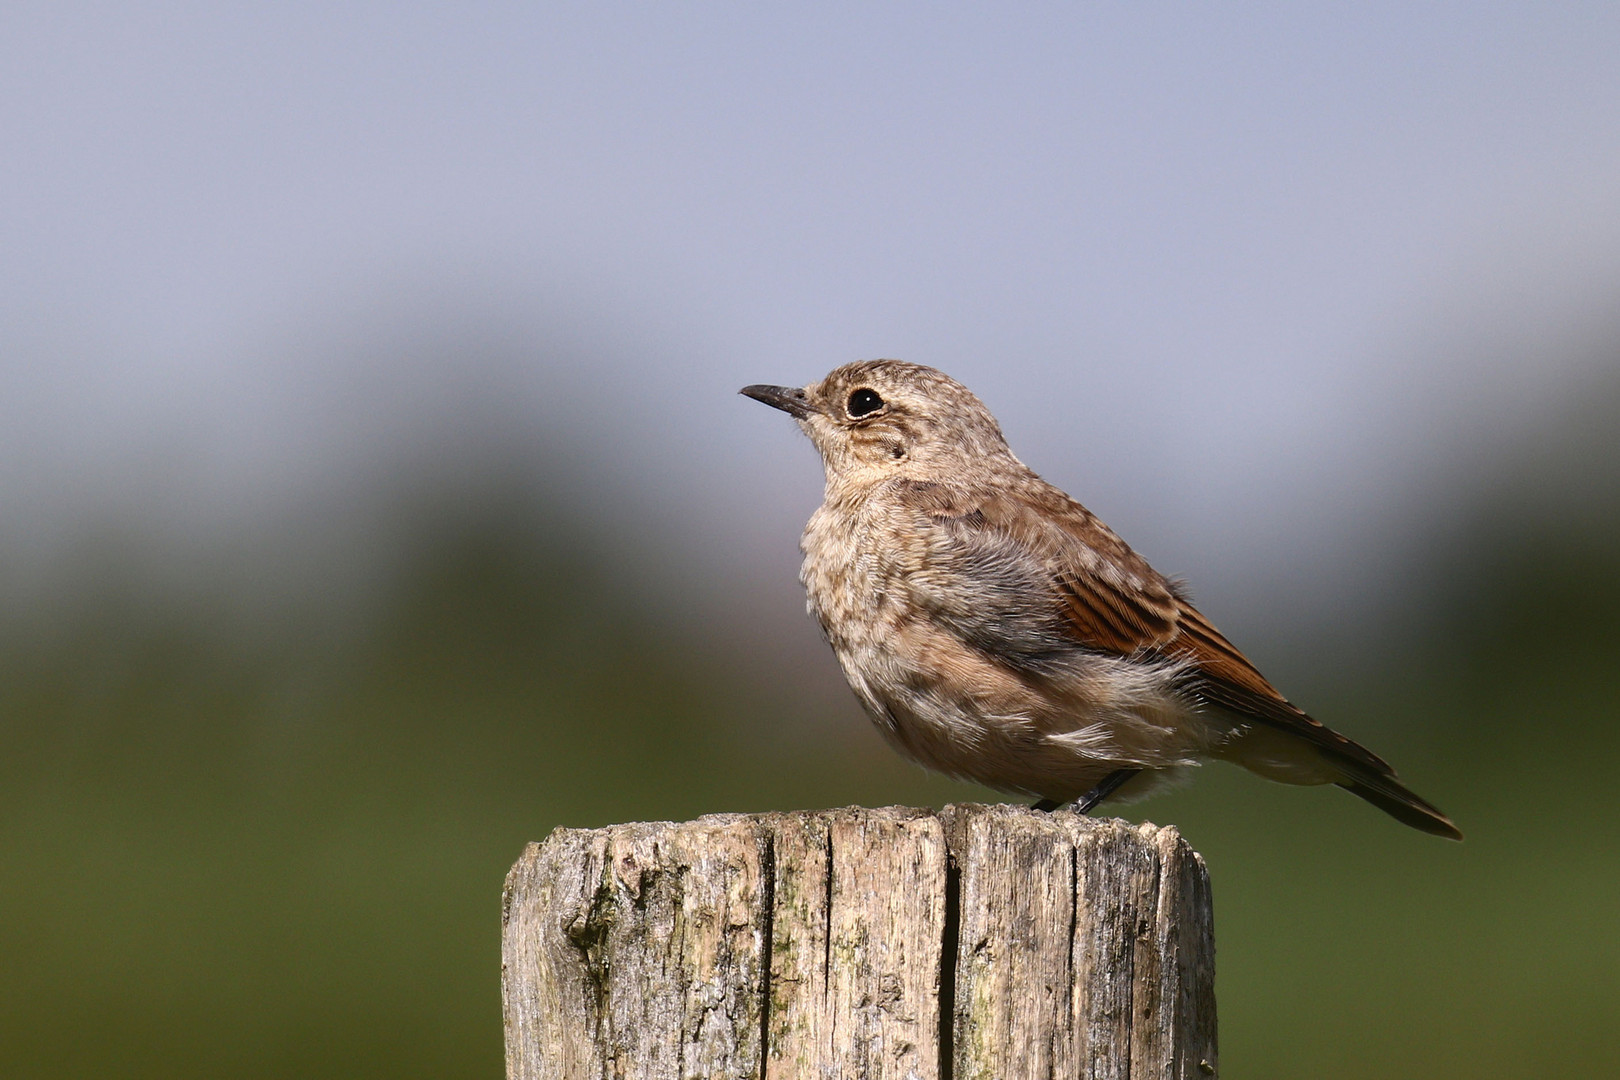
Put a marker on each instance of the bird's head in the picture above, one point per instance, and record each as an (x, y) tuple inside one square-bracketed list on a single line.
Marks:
[(878, 418)]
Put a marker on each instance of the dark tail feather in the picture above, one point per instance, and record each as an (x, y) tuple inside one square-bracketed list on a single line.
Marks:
[(1392, 798)]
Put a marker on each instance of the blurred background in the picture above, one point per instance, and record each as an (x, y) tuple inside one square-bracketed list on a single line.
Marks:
[(375, 496)]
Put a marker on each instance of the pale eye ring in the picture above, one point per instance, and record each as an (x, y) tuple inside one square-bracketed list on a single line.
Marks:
[(863, 402)]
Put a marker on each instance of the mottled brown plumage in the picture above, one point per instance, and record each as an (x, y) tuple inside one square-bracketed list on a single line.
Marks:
[(998, 632)]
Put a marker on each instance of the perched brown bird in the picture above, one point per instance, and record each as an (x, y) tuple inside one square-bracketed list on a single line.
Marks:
[(998, 632)]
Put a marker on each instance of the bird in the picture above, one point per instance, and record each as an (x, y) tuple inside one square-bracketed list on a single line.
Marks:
[(997, 631)]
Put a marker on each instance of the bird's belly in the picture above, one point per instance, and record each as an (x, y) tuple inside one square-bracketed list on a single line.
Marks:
[(951, 708), (957, 708)]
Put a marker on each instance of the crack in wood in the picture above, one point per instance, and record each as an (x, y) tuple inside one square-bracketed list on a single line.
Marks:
[(950, 946), (767, 871)]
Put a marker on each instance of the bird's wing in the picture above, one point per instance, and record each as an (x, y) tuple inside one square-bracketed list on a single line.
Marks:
[(1110, 600)]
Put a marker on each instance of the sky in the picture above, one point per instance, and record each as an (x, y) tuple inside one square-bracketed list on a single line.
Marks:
[(1250, 280)]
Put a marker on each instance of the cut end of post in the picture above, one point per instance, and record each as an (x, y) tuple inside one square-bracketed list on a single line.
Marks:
[(975, 941)]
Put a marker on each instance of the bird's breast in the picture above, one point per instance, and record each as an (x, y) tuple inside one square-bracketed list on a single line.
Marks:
[(851, 575)]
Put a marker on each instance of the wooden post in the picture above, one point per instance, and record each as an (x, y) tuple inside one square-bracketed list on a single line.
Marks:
[(983, 942)]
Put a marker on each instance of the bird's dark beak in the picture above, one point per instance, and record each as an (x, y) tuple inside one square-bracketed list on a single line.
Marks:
[(790, 399)]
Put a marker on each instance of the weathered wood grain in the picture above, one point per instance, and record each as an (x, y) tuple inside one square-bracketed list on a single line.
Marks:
[(988, 942)]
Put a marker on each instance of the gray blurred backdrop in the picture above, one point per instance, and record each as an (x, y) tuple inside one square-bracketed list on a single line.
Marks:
[(375, 496)]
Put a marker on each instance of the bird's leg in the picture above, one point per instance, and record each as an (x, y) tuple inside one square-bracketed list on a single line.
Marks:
[(1110, 784), (1088, 802)]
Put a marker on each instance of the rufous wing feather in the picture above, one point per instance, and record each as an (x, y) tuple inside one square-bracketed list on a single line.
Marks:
[(1114, 602), (1120, 604)]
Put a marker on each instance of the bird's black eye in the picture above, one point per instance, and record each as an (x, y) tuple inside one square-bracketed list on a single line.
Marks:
[(864, 401)]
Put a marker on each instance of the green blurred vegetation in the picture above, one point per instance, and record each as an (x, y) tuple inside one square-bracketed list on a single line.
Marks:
[(252, 842)]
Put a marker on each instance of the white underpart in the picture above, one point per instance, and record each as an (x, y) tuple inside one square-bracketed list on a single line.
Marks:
[(1136, 715), (1093, 741)]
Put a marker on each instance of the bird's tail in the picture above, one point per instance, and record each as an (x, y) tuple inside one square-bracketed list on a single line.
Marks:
[(1400, 803), (1307, 753)]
